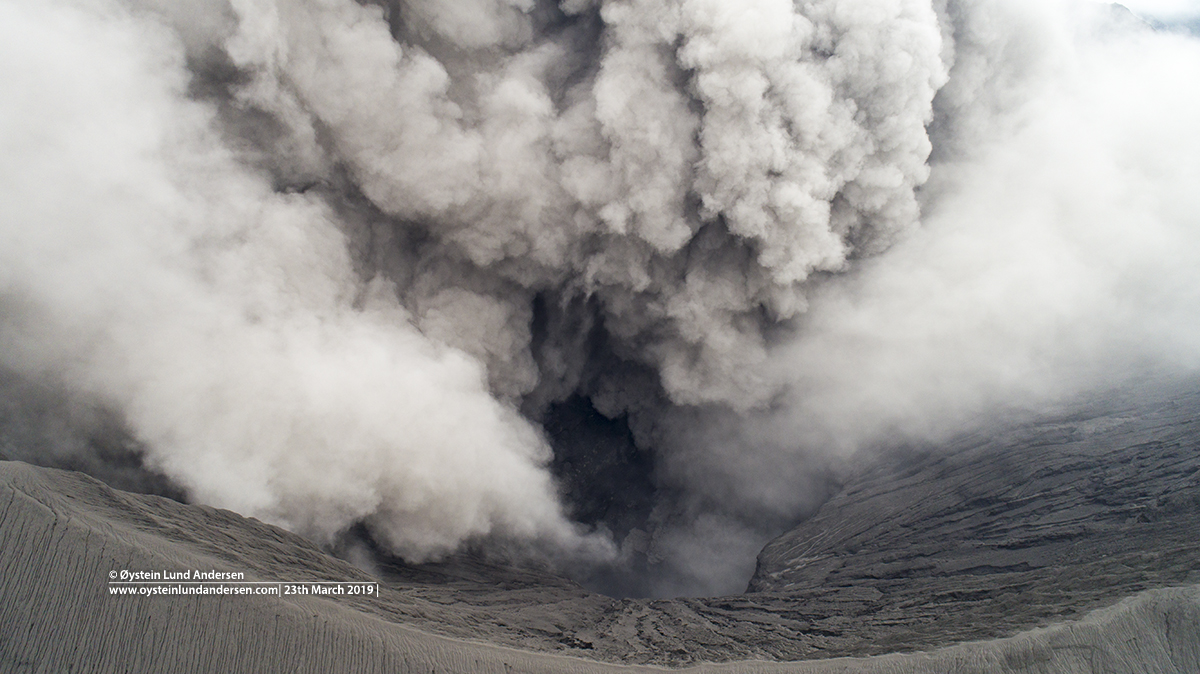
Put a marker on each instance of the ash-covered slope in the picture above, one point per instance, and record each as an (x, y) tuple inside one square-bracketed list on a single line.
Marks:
[(62, 533), (1003, 530), (980, 539)]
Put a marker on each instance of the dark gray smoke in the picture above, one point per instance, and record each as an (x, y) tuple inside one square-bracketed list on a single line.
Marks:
[(616, 281)]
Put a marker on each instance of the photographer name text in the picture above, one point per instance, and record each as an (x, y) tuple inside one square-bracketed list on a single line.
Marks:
[(186, 574), (167, 582)]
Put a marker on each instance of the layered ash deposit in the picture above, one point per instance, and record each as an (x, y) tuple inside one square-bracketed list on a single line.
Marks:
[(1058, 545)]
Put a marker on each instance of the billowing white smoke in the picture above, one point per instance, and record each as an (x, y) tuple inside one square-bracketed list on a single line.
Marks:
[(1059, 253), (811, 137), (142, 262), (299, 244)]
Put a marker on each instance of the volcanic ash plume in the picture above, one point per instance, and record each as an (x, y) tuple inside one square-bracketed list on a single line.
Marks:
[(438, 266)]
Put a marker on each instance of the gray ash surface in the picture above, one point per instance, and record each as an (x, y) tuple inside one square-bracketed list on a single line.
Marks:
[(982, 538)]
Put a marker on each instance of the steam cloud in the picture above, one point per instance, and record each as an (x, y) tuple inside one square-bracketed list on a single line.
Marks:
[(338, 262)]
